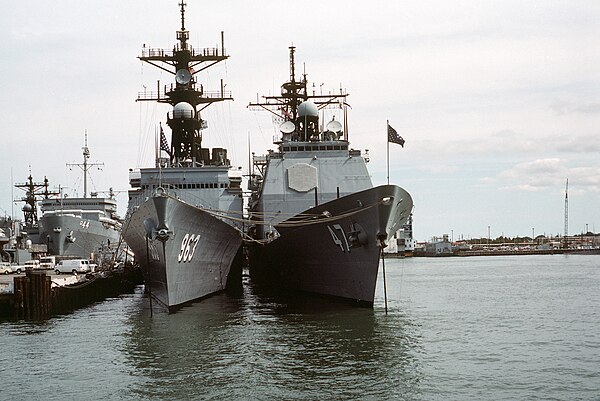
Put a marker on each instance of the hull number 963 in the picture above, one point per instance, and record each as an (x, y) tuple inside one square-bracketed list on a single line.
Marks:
[(188, 247)]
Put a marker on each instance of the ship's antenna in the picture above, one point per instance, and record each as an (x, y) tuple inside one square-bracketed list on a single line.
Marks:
[(85, 166), (182, 4), (566, 213), (292, 64), (181, 35)]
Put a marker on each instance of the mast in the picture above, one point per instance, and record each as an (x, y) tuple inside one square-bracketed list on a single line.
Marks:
[(187, 98), (33, 192), (293, 93), (85, 166)]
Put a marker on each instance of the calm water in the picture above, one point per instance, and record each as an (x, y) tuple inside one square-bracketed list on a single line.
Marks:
[(489, 328)]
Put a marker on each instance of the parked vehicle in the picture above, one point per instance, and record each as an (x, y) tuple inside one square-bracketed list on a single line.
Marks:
[(18, 269), (74, 266), (48, 262), (32, 265), (5, 268)]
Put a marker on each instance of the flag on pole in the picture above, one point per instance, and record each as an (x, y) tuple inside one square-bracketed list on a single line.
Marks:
[(164, 145), (393, 136)]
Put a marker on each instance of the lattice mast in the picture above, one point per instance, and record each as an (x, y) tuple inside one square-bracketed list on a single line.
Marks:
[(294, 92), (187, 98), (34, 191)]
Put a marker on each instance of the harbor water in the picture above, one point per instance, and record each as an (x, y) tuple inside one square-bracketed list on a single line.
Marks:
[(476, 328)]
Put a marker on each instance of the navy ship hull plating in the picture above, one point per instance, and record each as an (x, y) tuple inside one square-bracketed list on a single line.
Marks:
[(73, 236), (337, 253), (186, 253)]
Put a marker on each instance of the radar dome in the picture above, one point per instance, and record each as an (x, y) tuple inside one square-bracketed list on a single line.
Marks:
[(308, 109), (27, 207), (183, 110)]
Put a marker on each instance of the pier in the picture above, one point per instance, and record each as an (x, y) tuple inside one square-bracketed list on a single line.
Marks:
[(38, 295)]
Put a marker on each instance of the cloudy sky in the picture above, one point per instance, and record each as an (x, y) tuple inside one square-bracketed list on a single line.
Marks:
[(498, 101)]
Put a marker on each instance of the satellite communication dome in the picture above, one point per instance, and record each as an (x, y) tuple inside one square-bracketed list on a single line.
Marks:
[(27, 207), (308, 109), (183, 110)]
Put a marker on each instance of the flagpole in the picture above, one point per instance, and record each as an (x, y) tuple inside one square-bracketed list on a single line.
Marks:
[(249, 158), (387, 135), (156, 147)]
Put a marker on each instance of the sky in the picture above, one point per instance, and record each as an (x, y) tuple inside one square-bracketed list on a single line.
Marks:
[(498, 101)]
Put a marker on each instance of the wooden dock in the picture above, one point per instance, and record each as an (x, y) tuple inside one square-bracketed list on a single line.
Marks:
[(32, 296), (36, 296)]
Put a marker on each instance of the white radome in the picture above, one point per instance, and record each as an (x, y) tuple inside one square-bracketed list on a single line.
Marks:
[(308, 109), (183, 110)]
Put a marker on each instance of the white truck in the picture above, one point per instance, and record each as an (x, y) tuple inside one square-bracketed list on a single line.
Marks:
[(74, 266), (18, 269), (47, 262), (32, 264)]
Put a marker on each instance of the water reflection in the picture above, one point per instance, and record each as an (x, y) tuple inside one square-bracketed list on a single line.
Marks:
[(277, 348)]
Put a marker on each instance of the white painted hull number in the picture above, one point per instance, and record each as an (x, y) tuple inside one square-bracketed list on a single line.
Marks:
[(188, 247), (337, 232)]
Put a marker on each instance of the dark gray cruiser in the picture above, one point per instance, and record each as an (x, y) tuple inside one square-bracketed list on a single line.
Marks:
[(184, 216), (319, 224)]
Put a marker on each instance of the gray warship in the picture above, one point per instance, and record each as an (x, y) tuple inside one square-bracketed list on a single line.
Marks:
[(318, 224), (184, 215), (80, 226), (71, 226)]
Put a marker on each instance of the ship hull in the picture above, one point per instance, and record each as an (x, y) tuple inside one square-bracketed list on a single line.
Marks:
[(185, 253), (337, 254), (74, 236)]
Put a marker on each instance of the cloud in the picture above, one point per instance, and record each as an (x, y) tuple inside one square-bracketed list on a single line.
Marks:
[(576, 144), (561, 107), (438, 169), (514, 144), (541, 174)]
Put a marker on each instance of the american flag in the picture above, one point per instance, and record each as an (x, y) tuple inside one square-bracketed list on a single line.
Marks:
[(164, 145), (393, 136)]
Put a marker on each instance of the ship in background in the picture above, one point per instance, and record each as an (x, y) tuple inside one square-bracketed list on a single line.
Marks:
[(319, 225), (402, 244), (29, 230), (79, 227), (184, 216)]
